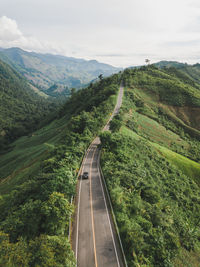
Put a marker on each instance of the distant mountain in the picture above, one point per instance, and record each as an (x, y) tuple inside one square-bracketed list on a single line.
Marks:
[(21, 109), (46, 70)]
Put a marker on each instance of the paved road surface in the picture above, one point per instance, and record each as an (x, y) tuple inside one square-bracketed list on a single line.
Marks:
[(94, 238)]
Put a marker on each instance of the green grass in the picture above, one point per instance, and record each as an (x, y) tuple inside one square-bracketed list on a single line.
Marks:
[(160, 91), (187, 258), (187, 166), (128, 132), (158, 133), (27, 153)]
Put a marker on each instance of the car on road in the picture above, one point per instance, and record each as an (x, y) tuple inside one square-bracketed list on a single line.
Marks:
[(85, 175)]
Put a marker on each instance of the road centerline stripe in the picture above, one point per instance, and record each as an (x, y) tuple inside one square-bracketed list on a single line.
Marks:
[(91, 206)]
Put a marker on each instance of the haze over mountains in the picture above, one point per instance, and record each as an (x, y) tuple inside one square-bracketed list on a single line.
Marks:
[(54, 74)]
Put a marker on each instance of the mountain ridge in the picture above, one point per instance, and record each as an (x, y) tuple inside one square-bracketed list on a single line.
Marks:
[(45, 70)]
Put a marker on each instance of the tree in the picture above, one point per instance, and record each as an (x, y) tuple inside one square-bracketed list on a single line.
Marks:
[(57, 211), (100, 77), (73, 91), (115, 125), (51, 251), (105, 139), (147, 61)]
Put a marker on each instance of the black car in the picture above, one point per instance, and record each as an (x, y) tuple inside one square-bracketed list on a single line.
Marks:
[(85, 175)]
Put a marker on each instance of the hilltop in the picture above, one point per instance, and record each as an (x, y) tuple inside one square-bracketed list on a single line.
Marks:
[(55, 74)]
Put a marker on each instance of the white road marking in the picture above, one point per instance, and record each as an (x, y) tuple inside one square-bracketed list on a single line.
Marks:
[(117, 258), (79, 196)]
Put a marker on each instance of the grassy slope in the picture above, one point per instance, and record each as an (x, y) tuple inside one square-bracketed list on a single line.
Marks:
[(167, 121), (163, 110), (27, 153), (187, 166)]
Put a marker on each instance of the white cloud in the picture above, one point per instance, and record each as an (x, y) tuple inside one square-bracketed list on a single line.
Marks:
[(11, 36), (8, 30)]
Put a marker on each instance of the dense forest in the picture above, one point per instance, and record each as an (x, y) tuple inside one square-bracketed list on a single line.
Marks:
[(39, 176), (151, 165), (21, 109)]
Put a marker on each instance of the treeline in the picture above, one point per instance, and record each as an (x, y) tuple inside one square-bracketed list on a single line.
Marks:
[(21, 109), (34, 216)]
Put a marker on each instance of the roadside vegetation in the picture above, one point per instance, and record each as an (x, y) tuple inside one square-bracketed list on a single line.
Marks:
[(39, 176), (152, 169)]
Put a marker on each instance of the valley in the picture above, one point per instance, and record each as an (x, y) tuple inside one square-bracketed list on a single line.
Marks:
[(55, 75)]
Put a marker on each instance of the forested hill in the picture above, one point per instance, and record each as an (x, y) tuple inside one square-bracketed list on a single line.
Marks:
[(150, 161), (21, 109), (54, 74), (151, 164), (38, 177)]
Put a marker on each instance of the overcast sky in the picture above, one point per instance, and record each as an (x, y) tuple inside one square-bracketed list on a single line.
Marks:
[(118, 32)]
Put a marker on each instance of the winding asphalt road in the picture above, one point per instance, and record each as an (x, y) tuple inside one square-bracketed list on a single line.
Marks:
[(94, 238)]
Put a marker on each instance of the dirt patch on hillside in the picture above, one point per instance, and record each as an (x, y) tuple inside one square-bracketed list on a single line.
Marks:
[(189, 115)]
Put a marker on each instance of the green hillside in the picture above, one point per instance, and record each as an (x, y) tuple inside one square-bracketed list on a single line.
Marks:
[(39, 176), (187, 73), (21, 109), (151, 164), (150, 161), (46, 70)]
